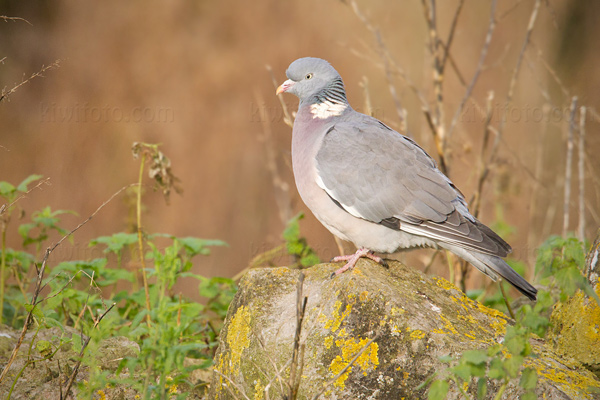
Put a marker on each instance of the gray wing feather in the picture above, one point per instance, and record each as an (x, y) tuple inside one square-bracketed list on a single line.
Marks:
[(377, 174)]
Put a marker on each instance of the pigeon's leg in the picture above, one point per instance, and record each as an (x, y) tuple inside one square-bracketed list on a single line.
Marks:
[(353, 258)]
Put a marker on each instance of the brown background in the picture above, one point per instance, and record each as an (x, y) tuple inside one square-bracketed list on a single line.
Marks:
[(191, 75)]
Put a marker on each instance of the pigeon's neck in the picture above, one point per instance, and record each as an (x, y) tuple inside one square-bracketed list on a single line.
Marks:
[(329, 102)]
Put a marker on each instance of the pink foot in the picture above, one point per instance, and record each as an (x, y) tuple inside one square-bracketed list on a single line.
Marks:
[(353, 258)]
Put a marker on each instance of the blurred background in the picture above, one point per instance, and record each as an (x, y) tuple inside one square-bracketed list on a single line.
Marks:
[(192, 75)]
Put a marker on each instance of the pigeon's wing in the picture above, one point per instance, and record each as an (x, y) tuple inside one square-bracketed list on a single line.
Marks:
[(379, 175)]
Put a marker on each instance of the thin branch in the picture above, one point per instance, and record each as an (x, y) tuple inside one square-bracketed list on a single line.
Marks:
[(384, 54), (484, 167), (439, 131), (451, 34), (581, 163), (287, 117), (568, 167), (5, 207), (6, 19), (297, 352), (85, 344), (505, 297), (282, 189), (530, 26), (40, 278), (235, 385), (6, 94), (482, 56)]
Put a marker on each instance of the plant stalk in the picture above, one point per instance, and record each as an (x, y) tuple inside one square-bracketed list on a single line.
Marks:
[(140, 240)]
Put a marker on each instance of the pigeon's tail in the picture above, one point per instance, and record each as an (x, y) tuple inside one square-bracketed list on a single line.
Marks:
[(493, 267)]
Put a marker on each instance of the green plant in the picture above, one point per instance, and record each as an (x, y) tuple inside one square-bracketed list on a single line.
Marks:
[(176, 334), (297, 246), (19, 260), (559, 265)]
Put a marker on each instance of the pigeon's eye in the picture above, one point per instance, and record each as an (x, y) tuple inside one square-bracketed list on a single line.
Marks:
[(308, 76)]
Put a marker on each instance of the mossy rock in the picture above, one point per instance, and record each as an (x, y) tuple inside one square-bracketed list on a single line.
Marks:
[(575, 330), (416, 319)]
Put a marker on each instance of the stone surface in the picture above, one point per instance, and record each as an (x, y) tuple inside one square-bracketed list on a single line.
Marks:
[(416, 319), (40, 379)]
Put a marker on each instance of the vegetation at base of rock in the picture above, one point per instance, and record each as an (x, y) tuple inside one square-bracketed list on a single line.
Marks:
[(560, 266), (175, 334)]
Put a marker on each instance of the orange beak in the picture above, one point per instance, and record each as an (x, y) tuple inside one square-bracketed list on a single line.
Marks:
[(285, 86)]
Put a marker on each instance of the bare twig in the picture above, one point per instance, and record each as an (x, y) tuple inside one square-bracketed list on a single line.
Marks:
[(40, 278), (364, 84), (439, 131), (484, 166), (482, 56), (6, 19), (510, 310), (592, 261), (451, 34), (282, 189), (83, 347), (298, 350), (533, 234), (581, 163), (568, 167), (138, 209), (287, 117), (5, 207), (6, 94), (349, 365), (385, 57), (235, 385)]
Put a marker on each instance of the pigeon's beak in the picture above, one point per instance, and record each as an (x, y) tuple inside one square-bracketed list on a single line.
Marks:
[(285, 86)]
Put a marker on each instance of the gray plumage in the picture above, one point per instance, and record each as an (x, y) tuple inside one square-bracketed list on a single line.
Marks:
[(372, 186)]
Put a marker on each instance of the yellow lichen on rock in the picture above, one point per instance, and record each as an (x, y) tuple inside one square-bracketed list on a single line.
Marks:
[(417, 334), (238, 336), (571, 382), (369, 359), (576, 329), (337, 317), (259, 391), (444, 284)]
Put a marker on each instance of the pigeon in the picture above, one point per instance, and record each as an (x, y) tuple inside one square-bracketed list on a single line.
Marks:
[(374, 187)]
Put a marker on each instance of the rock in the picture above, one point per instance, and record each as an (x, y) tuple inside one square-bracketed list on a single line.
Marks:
[(414, 318), (40, 379), (575, 330)]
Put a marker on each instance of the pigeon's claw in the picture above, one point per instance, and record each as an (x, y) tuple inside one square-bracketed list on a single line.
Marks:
[(352, 259)]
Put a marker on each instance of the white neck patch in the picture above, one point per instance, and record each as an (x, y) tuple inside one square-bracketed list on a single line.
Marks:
[(327, 109)]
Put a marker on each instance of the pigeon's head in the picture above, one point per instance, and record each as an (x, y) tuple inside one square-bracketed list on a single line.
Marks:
[(308, 77)]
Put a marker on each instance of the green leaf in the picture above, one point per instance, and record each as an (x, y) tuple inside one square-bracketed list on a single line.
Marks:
[(7, 190), (569, 279), (438, 390), (528, 379), (31, 178), (496, 370), (76, 342), (36, 311), (292, 230), (463, 371), (529, 395), (481, 388), (475, 357), (116, 242), (512, 365)]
